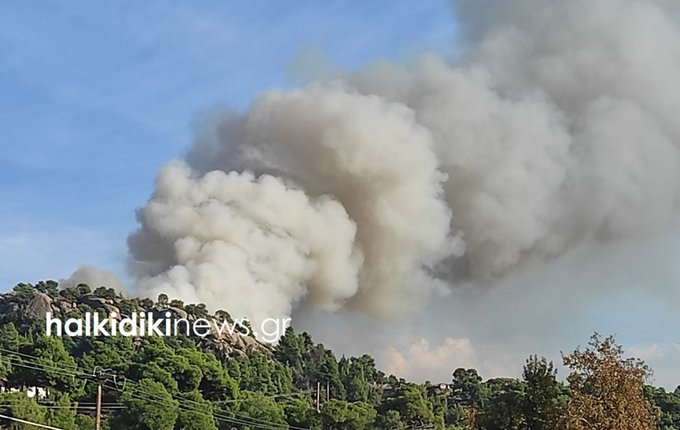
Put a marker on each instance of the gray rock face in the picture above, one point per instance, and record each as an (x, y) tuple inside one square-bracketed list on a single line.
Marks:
[(39, 306), (94, 302), (177, 312), (111, 310), (251, 344), (30, 307)]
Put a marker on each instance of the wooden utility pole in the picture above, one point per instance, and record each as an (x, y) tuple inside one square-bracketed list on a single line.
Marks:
[(318, 397), (328, 390), (100, 376), (99, 406)]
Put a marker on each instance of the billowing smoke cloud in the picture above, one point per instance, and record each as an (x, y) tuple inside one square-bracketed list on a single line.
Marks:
[(355, 211), (94, 277), (557, 128)]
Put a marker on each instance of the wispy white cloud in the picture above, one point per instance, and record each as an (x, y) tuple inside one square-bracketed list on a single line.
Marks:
[(648, 352)]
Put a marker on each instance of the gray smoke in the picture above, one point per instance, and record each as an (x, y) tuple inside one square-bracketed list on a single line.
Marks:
[(93, 277), (556, 129)]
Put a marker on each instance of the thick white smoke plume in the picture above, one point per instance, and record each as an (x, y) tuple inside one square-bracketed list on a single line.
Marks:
[(557, 128), (359, 214)]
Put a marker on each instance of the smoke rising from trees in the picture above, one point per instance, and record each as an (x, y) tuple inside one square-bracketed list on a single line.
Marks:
[(375, 190)]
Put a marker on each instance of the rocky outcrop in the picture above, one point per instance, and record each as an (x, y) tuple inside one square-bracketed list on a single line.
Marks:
[(26, 308), (238, 344), (29, 305), (39, 306), (175, 313), (93, 301), (112, 310)]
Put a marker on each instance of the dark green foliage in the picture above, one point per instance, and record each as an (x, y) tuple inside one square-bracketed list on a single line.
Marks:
[(149, 406), (62, 415), (55, 359), (289, 351), (667, 405), (340, 414), (105, 293), (258, 407), (220, 314), (84, 422), (177, 304), (390, 420), (542, 403), (504, 406), (24, 292), (411, 401), (215, 382), (299, 412), (10, 337), (260, 373), (163, 300), (468, 390), (20, 406), (199, 383), (145, 303), (128, 307), (199, 416), (198, 311), (51, 288), (70, 294), (83, 289), (354, 380)]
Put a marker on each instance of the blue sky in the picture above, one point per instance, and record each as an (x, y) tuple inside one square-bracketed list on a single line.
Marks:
[(96, 96)]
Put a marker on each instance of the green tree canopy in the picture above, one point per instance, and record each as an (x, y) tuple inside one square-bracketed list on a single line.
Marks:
[(148, 406)]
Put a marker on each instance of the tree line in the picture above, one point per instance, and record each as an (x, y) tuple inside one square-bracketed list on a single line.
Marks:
[(206, 384)]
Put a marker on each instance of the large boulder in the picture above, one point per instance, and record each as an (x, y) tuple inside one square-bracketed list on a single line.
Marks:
[(111, 310), (93, 301), (39, 306)]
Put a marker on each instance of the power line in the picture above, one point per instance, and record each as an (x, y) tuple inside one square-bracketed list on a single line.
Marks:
[(68, 407), (41, 369), (36, 361), (45, 368), (275, 396), (32, 357), (30, 423), (182, 403)]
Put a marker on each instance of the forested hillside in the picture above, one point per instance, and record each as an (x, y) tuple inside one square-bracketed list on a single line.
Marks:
[(235, 381)]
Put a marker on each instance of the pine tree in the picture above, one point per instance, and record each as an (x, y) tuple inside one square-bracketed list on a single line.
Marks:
[(541, 404)]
